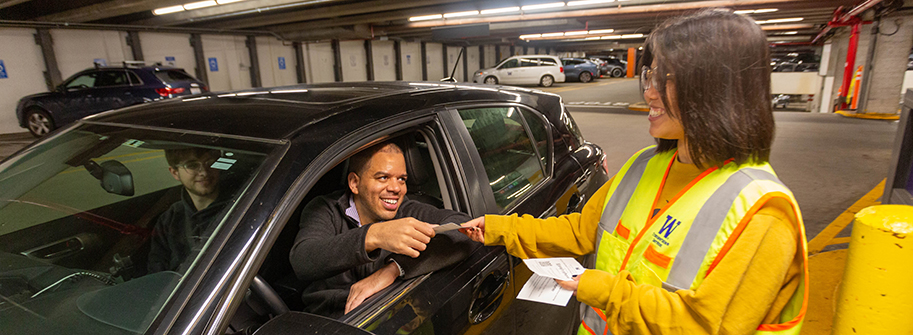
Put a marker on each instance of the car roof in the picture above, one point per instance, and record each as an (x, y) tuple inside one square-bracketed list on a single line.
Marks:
[(284, 112)]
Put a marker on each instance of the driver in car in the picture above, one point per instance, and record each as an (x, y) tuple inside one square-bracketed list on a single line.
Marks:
[(355, 242), (182, 227)]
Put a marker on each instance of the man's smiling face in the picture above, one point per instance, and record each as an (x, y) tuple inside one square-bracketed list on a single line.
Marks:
[(379, 188)]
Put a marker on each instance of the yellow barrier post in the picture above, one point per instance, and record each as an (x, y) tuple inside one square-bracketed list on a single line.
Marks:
[(876, 296)]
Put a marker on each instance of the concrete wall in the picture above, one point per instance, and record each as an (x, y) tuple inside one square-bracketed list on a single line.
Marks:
[(490, 54), (472, 61), (233, 58), (505, 52), (354, 60), (435, 60), (319, 62), (23, 66), (158, 47), (795, 83), (77, 50), (887, 76), (384, 60), (276, 61), (411, 60)]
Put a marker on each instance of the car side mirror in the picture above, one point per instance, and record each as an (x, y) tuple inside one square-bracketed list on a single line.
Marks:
[(304, 323), (115, 178)]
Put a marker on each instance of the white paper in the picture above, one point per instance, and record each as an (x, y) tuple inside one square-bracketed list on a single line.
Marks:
[(563, 268), (545, 290), (446, 227)]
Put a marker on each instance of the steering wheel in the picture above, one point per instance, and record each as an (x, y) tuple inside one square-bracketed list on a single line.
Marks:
[(268, 296)]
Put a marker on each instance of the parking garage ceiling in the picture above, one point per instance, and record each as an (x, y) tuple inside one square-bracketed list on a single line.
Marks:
[(558, 24)]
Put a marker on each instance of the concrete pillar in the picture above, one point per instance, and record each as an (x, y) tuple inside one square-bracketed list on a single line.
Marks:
[(369, 56), (299, 62), (895, 38), (424, 61), (52, 76), (196, 42), (255, 80), (398, 56), (337, 60), (135, 46)]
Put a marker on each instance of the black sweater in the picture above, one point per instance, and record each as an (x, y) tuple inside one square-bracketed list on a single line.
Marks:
[(329, 251)]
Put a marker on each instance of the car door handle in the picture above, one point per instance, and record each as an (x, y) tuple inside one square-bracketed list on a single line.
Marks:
[(575, 201), (487, 296)]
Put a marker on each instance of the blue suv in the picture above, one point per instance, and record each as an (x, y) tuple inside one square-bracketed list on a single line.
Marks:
[(98, 89)]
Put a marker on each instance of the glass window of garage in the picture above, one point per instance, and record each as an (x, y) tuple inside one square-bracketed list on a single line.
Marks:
[(101, 213), (511, 161)]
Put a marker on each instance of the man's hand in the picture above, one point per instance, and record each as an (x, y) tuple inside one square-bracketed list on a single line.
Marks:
[(406, 236), (365, 288), (475, 229)]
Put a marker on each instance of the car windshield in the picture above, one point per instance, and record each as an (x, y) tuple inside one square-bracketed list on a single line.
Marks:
[(99, 224)]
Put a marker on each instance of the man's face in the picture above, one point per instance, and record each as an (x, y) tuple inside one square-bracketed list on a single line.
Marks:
[(197, 176), (379, 188)]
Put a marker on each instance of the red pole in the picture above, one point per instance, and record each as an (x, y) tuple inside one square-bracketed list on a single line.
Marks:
[(850, 63)]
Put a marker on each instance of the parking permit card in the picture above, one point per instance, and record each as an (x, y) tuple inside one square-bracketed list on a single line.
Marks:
[(563, 268), (545, 290), (446, 227)]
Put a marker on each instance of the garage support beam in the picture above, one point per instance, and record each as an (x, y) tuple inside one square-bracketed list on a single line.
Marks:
[(135, 46), (52, 76), (337, 60), (369, 54), (446, 65), (299, 63), (498, 56), (424, 61), (398, 61), (481, 58), (196, 42), (513, 51), (254, 62)]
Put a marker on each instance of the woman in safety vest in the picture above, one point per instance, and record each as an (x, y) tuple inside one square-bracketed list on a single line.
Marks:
[(695, 235)]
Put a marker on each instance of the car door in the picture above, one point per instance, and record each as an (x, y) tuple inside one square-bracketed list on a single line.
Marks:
[(78, 96), (112, 90), (508, 72)]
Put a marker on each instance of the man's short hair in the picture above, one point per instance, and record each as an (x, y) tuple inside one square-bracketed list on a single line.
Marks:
[(178, 156), (359, 161)]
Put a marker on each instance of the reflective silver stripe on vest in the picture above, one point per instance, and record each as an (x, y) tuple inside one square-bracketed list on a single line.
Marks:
[(623, 193), (706, 225)]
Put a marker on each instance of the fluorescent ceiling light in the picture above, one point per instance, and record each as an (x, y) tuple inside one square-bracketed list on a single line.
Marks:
[(572, 33), (611, 37), (200, 4), (168, 10), (592, 38), (552, 34), (222, 2), (588, 2), (543, 6), (755, 11), (526, 37), (792, 19), (458, 14), (632, 36), (500, 10), (602, 31), (426, 17), (789, 33)]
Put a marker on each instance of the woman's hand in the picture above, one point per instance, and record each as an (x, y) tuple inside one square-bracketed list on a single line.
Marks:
[(475, 229), (570, 285)]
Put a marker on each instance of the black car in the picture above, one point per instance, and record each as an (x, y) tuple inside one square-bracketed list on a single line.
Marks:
[(78, 206), (613, 67), (99, 89)]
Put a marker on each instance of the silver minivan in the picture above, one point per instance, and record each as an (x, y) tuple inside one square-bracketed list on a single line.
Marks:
[(543, 70)]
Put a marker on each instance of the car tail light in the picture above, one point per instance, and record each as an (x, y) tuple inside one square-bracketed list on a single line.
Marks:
[(205, 88), (561, 69), (169, 91)]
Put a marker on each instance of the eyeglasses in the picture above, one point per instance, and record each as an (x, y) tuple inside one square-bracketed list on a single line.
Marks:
[(648, 78), (196, 165)]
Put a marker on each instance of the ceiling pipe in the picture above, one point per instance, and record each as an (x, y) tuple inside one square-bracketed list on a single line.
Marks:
[(845, 19)]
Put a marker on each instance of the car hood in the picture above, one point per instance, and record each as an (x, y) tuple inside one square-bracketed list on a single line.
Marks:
[(487, 70)]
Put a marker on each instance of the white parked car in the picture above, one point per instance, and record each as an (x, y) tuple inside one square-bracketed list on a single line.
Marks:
[(541, 70)]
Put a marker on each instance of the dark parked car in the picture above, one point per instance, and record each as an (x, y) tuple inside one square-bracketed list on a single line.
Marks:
[(99, 89), (77, 208), (582, 70), (613, 67)]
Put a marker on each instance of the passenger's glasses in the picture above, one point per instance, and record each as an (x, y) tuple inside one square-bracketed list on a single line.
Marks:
[(649, 79), (196, 165)]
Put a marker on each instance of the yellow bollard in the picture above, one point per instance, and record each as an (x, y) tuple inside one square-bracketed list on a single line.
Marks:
[(876, 296)]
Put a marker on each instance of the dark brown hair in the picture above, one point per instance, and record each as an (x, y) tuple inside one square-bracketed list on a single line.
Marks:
[(359, 161), (720, 67), (178, 156)]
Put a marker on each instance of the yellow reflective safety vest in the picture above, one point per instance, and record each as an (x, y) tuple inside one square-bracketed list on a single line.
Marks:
[(680, 245)]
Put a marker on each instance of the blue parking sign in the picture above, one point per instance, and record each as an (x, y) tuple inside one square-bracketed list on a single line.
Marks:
[(281, 63), (2, 70), (213, 64)]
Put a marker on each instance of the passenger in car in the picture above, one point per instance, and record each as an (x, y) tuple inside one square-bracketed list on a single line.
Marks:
[(696, 235), (355, 242), (184, 225)]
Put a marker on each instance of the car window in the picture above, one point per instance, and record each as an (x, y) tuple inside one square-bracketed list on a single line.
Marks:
[(547, 62), (84, 81), (527, 62), (111, 78), (540, 135), (510, 160), (134, 79), (510, 64), (169, 76), (85, 216)]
